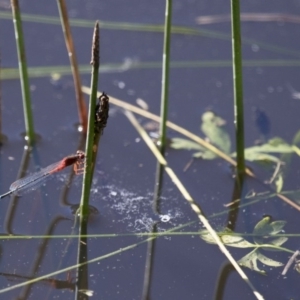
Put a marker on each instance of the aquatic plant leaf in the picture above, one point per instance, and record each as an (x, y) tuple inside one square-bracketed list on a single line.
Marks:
[(179, 143), (235, 241), (250, 261), (263, 152), (265, 231), (275, 141), (261, 229), (277, 226), (268, 261), (213, 127), (205, 155), (209, 155), (278, 241), (198, 154), (279, 183), (254, 155), (227, 238), (275, 145)]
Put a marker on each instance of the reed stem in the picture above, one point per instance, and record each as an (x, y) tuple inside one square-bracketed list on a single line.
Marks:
[(23, 72), (89, 149), (238, 88), (165, 77)]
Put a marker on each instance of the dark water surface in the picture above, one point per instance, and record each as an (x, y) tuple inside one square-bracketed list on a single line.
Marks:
[(184, 267)]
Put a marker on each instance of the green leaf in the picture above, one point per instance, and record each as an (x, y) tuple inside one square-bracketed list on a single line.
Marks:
[(277, 226), (275, 145), (261, 229), (250, 261), (213, 127), (179, 143), (251, 154), (263, 152), (235, 241), (268, 261), (265, 232), (205, 155), (198, 154), (277, 141), (279, 183), (227, 238), (278, 241)]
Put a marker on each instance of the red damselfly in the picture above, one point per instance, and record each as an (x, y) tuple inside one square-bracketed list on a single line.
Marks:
[(77, 160)]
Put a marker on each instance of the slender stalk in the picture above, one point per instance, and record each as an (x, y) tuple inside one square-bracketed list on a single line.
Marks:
[(89, 149), (23, 72), (148, 273), (82, 112), (165, 76), (163, 129), (238, 87), (233, 213), (82, 258)]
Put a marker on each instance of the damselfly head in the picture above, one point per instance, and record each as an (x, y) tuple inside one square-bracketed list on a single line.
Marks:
[(80, 154)]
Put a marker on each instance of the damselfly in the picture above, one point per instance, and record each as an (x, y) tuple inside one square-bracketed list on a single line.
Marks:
[(77, 160)]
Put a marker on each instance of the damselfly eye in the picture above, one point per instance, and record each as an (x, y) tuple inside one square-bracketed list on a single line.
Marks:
[(80, 154)]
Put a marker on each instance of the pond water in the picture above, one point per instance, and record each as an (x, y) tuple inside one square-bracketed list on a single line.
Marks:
[(184, 265)]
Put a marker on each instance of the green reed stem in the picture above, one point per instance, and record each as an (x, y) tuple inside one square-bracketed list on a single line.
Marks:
[(238, 87), (23, 72), (165, 76), (90, 149)]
